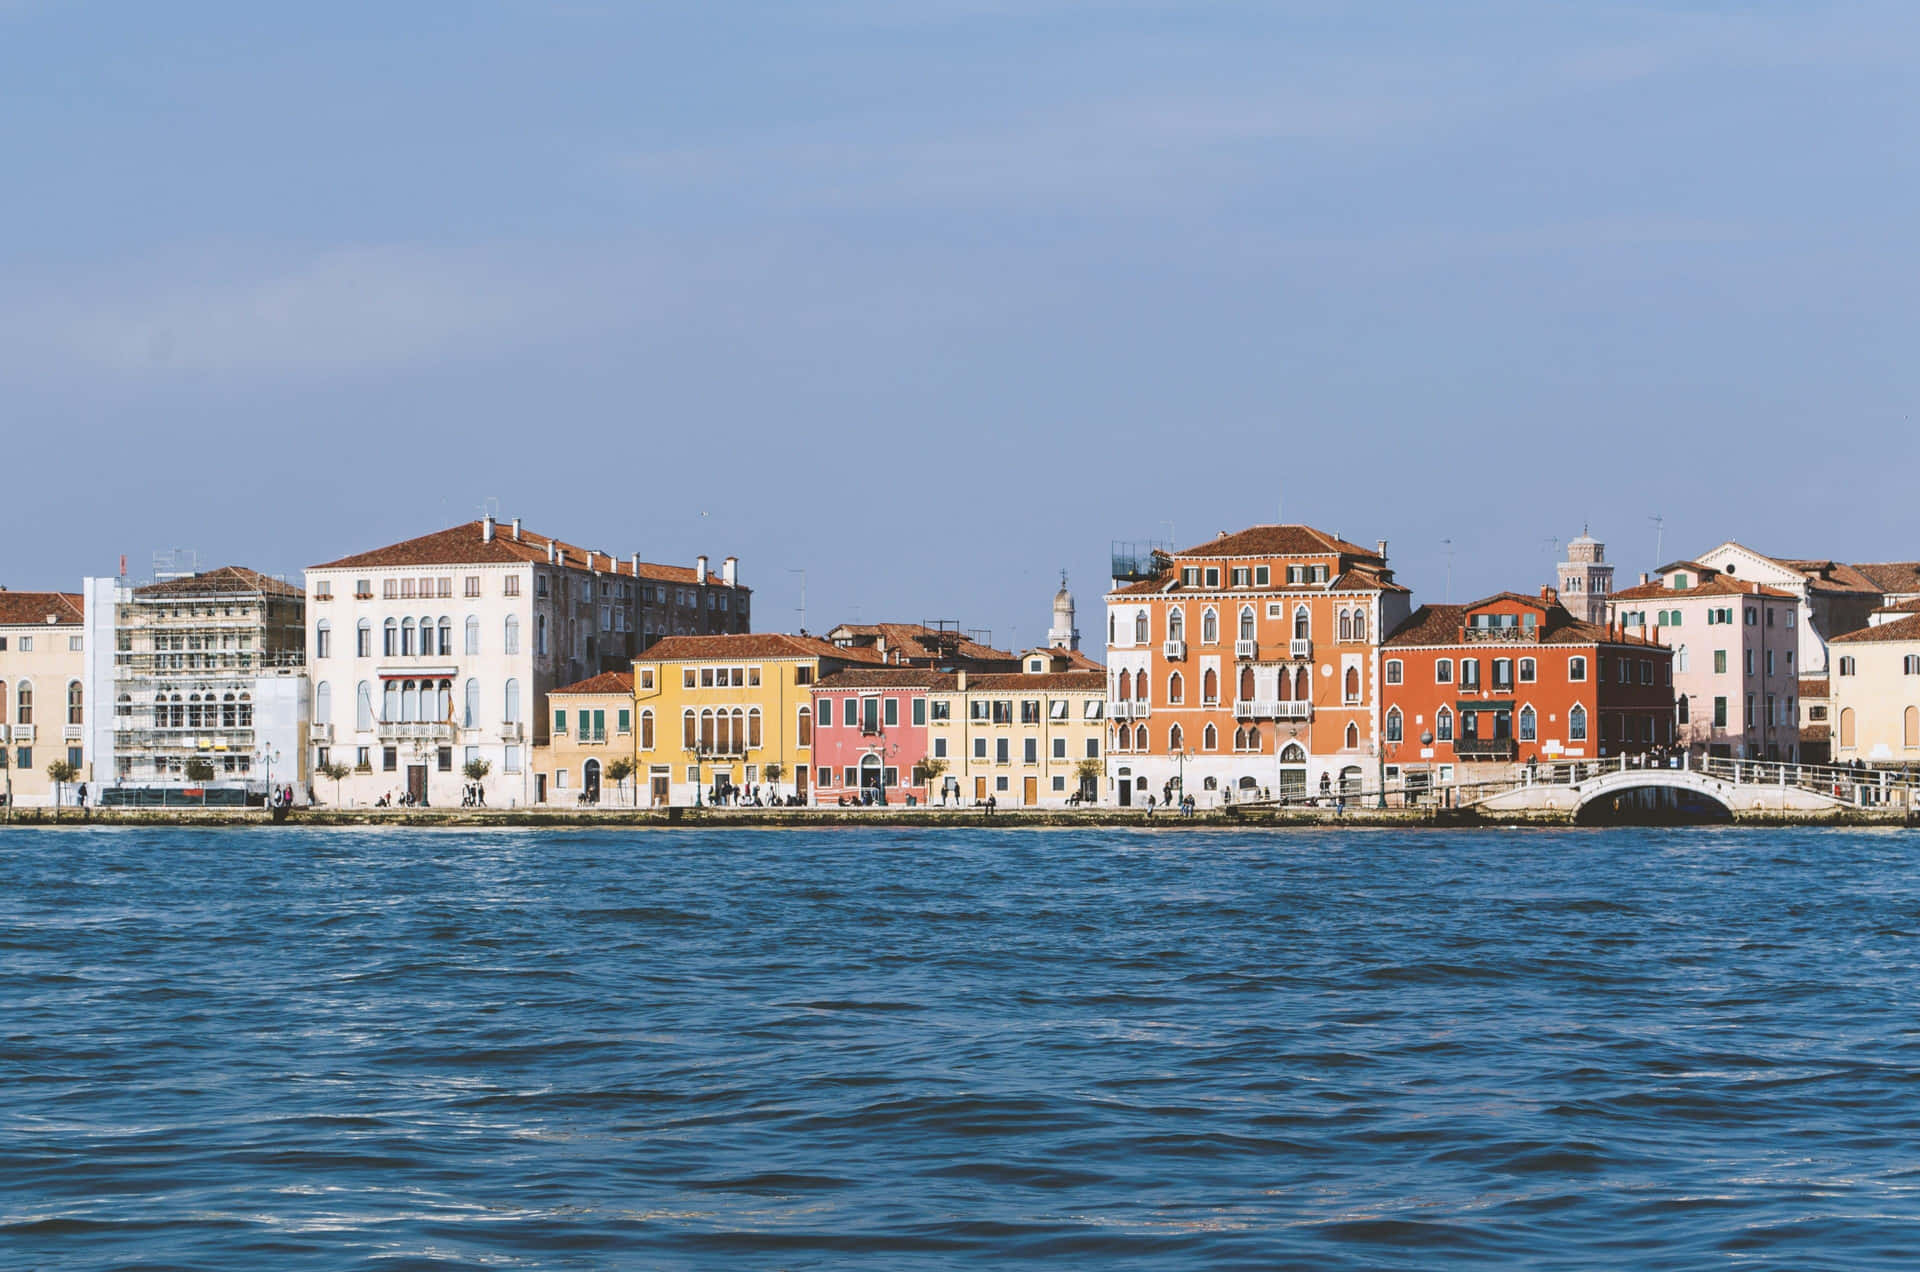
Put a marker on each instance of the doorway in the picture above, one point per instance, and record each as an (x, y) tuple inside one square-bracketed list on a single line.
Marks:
[(659, 796), (417, 783), (539, 788), (800, 782), (1029, 791), (1125, 790), (590, 781), (979, 790)]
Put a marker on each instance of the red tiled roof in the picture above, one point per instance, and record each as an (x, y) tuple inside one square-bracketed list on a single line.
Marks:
[(886, 678), (1901, 607), (1430, 625), (1718, 585), (1440, 625), (750, 645), (18, 609), (1076, 659), (917, 640), (607, 682), (1898, 629), (1813, 687), (1363, 577), (1831, 576), (466, 544), (1892, 577), (1060, 681), (228, 580), (1289, 540)]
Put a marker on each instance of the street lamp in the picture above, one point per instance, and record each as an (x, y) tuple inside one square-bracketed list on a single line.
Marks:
[(266, 755)]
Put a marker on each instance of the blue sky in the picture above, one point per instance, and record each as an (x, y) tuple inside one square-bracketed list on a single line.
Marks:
[(935, 299)]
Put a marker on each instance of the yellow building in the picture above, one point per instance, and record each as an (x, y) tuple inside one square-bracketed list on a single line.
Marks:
[(1028, 739), (42, 691), (1875, 688), (729, 712), (592, 727)]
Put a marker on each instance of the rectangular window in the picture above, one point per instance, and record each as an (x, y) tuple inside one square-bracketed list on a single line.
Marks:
[(1576, 669), (445, 759), (1190, 576), (625, 720), (1002, 750), (919, 711), (979, 748), (600, 725), (980, 709), (510, 586), (850, 711), (1242, 576), (1093, 748), (1002, 711), (1058, 709), (1030, 751), (803, 674), (1719, 662), (1059, 748), (1769, 653), (852, 775), (943, 709), (1749, 661), (1469, 673), (26, 644), (389, 759), (1443, 671), (1029, 711), (891, 712), (1719, 713), (939, 748), (559, 719), (1262, 576), (1213, 576), (1059, 783)]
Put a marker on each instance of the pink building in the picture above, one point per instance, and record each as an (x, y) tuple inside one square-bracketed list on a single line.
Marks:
[(870, 734)]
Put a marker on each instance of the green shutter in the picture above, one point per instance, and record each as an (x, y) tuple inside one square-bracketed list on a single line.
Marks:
[(626, 720), (600, 726), (559, 719)]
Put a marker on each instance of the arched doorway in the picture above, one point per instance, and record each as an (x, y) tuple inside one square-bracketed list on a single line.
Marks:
[(590, 781), (1350, 780), (1293, 772), (870, 774)]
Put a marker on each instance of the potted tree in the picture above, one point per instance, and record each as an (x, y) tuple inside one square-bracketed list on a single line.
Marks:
[(337, 772), (61, 772), (931, 770), (618, 771), (1089, 771)]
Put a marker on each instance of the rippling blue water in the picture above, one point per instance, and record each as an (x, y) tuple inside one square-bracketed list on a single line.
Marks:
[(385, 1049)]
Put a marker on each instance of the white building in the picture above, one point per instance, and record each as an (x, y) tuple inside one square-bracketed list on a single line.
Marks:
[(198, 684), (437, 653)]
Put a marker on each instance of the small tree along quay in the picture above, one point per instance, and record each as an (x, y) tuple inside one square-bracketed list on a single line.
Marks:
[(62, 772), (619, 771)]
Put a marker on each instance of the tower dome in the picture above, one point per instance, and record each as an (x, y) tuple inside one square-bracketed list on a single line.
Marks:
[(1063, 634)]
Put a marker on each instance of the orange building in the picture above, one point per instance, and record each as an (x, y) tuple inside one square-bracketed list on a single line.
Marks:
[(1248, 665), (1514, 678)]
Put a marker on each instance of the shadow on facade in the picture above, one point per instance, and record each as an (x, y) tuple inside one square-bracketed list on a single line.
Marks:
[(1654, 806)]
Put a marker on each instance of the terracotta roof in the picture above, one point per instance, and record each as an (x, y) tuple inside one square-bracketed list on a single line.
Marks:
[(19, 609), (1718, 585), (1815, 687), (1430, 625), (1076, 659), (1537, 602), (1145, 587), (1898, 629), (1892, 577), (1440, 625), (467, 544), (887, 678), (750, 645), (1363, 577), (228, 580), (1290, 540), (1831, 576), (917, 640), (607, 682), (1816, 733)]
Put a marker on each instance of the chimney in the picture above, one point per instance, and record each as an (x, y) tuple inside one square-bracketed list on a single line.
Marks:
[(962, 685), (516, 529), (729, 568), (486, 528), (636, 565), (1645, 578), (1550, 596), (549, 551), (1382, 545), (590, 560), (560, 557), (700, 569)]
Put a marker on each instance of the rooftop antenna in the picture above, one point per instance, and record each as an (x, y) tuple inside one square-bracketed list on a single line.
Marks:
[(490, 507), (1659, 537), (803, 596)]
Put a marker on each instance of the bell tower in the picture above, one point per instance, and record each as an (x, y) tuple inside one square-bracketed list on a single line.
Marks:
[(1586, 579), (1063, 634)]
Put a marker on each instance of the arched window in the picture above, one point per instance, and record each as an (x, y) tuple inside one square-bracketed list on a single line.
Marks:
[(363, 707), (1300, 622), (1176, 625), (646, 727), (1174, 738), (473, 634), (510, 638), (1176, 688), (76, 703), (1253, 737), (512, 713), (406, 637), (1527, 670), (323, 703), (228, 716), (1443, 725), (1246, 682), (1529, 724), (363, 639), (445, 646), (1140, 684), (1680, 660), (390, 702), (1239, 738), (1122, 740), (1577, 724), (753, 727), (1293, 754), (1209, 739), (1209, 627), (323, 639), (1353, 684), (1911, 722), (1139, 737), (1283, 685), (1353, 737), (390, 638), (445, 715), (1123, 686), (1209, 687), (1140, 627), (470, 716), (1394, 725), (1346, 625), (409, 699), (803, 726), (1359, 624), (1246, 622), (1846, 726), (688, 736), (1302, 684), (1112, 622)]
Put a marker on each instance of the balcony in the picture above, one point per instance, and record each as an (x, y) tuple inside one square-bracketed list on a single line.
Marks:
[(1485, 748), (320, 733), (512, 731), (1174, 650), (73, 733), (1477, 635), (1297, 710), (1300, 647), (23, 733), (1246, 650), (415, 731)]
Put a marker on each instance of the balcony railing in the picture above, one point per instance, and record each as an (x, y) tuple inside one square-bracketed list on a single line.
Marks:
[(416, 730), (1128, 709), (320, 732), (23, 733), (1174, 650), (512, 731), (1296, 710), (73, 732), (1485, 748), (1246, 650), (1300, 647), (1516, 634)]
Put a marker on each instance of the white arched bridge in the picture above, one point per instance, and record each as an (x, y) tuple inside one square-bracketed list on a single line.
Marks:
[(1708, 788)]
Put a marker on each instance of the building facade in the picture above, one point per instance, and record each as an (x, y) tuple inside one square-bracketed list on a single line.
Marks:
[(1249, 664), (1875, 694), (1736, 647), (438, 652), (206, 674), (590, 727), (720, 713), (1035, 738), (43, 693), (1473, 690), (870, 734), (1834, 597)]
